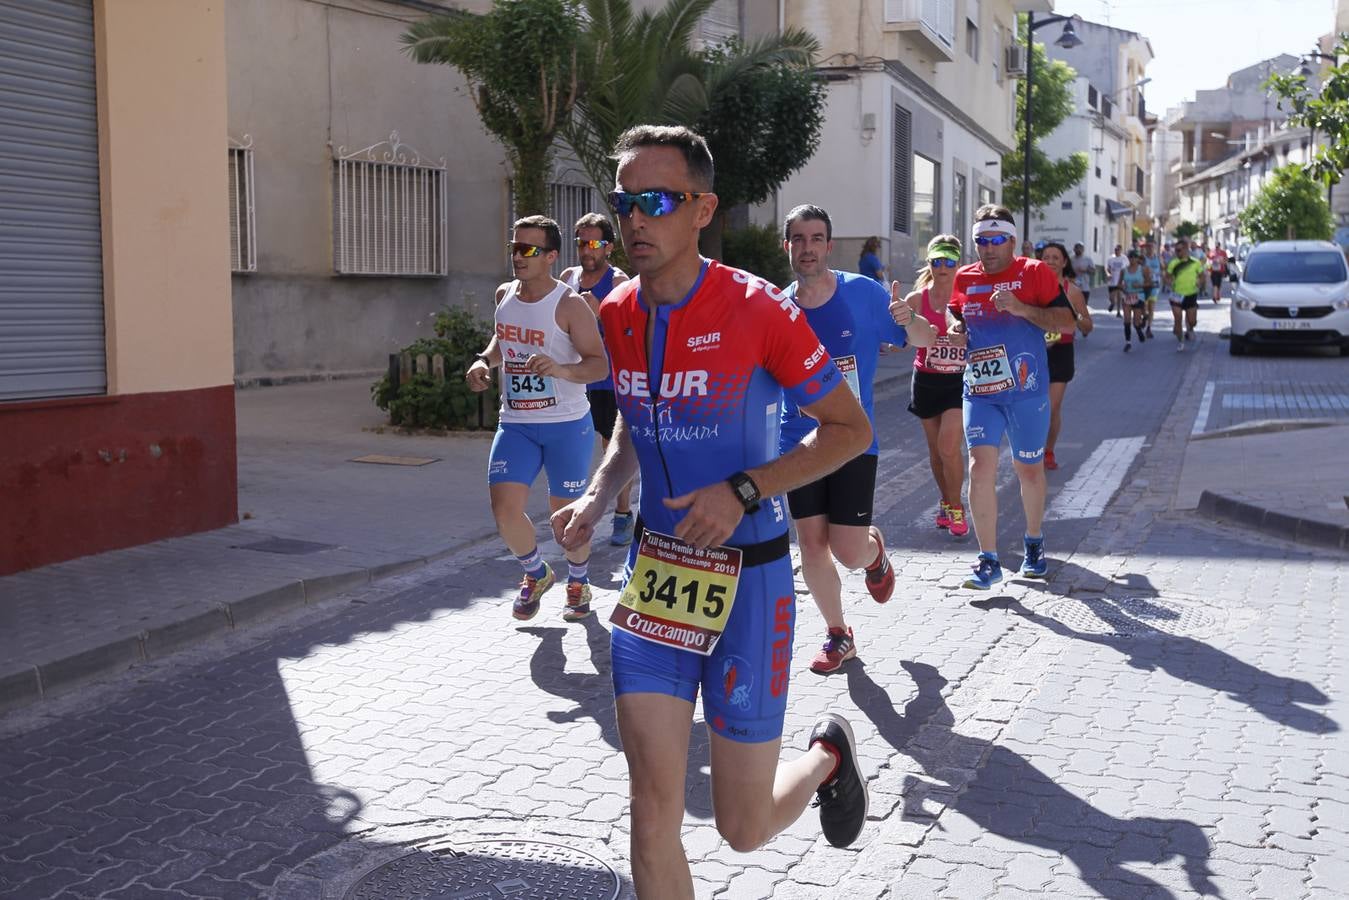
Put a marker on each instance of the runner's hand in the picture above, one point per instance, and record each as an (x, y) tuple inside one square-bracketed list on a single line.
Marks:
[(957, 336), (574, 524), (478, 376), (714, 512), (900, 311), (540, 364), (1006, 301), (1085, 325)]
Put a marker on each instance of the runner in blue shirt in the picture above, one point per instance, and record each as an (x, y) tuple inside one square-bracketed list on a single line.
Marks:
[(852, 315)]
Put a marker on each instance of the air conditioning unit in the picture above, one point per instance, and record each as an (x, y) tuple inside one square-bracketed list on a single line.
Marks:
[(1016, 60)]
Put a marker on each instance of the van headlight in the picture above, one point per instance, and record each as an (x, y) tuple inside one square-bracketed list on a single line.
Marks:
[(1342, 303), (1244, 302)]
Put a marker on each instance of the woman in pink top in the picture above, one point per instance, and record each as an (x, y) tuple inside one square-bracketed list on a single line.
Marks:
[(935, 392)]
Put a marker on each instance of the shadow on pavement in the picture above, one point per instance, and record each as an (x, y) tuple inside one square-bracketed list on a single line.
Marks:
[(1010, 797), (593, 694), (221, 776), (1278, 698)]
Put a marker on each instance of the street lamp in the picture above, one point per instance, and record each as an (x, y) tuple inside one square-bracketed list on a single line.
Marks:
[(1067, 40)]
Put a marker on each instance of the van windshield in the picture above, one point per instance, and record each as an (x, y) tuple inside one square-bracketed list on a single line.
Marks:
[(1288, 267)]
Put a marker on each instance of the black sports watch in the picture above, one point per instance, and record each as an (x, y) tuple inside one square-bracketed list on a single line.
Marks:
[(483, 357), (746, 491)]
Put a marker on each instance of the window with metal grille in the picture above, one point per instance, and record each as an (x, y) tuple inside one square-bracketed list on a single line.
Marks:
[(389, 212), (566, 204), (902, 164), (243, 221)]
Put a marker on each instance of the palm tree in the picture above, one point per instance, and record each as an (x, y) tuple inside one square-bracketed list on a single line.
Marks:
[(643, 68), (521, 63)]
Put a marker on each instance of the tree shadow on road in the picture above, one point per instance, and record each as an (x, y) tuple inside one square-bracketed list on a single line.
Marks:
[(1130, 633), (1003, 793)]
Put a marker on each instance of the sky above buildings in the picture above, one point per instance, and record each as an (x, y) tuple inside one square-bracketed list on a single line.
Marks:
[(1199, 42)]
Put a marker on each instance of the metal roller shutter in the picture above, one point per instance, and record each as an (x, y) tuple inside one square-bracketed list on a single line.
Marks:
[(51, 264)]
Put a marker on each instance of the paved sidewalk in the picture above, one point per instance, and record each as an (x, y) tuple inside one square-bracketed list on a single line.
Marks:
[(316, 524)]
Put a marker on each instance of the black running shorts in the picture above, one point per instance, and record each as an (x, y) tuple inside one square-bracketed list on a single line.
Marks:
[(603, 412), (933, 393), (844, 496), (1061, 363)]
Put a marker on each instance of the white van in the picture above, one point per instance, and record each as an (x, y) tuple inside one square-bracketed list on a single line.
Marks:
[(1292, 292)]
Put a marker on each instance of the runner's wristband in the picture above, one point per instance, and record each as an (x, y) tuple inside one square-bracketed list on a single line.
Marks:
[(483, 357)]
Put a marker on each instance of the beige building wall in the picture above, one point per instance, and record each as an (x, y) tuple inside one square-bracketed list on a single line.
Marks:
[(165, 212), (308, 80)]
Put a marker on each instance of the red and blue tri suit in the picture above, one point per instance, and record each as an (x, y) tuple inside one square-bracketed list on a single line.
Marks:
[(701, 406), (1006, 368)]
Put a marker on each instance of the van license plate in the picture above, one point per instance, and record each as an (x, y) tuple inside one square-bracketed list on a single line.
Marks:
[(1291, 324)]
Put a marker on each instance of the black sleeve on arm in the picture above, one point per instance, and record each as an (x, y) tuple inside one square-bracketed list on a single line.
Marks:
[(957, 314)]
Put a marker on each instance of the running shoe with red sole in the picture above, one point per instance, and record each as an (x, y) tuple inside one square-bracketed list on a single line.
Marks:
[(943, 515), (1050, 462), (959, 527), (880, 580), (838, 648)]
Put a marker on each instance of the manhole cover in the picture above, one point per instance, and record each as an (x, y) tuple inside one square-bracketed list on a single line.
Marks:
[(285, 546), (1133, 616), (485, 870)]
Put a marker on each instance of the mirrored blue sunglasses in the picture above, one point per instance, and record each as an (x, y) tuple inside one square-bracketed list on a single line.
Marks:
[(941, 262), (997, 240), (651, 203)]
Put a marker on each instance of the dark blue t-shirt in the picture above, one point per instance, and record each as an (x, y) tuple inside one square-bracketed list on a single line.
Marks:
[(852, 325)]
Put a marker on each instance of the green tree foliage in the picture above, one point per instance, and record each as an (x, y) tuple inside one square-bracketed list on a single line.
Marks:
[(758, 249), (1291, 205), (1051, 103), (758, 104), (521, 60), (1186, 229), (1326, 111), (762, 120), (426, 402)]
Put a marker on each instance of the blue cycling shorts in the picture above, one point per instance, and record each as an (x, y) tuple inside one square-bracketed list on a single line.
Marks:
[(520, 450), (1024, 421), (744, 680)]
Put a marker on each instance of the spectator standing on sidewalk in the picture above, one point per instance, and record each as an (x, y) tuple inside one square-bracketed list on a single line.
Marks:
[(593, 279), (869, 262), (548, 347), (852, 316)]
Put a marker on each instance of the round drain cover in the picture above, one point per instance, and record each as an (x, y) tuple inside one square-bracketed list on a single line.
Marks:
[(486, 870), (1134, 616)]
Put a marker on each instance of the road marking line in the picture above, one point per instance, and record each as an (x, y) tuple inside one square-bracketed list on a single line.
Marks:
[(1093, 485), (1201, 420)]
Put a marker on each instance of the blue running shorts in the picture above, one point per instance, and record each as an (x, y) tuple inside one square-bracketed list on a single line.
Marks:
[(744, 680), (1024, 421), (520, 450)]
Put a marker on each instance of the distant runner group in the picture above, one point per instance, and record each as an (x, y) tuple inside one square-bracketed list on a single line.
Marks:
[(735, 405)]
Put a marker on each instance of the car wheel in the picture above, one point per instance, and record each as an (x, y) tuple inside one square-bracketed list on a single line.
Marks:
[(1237, 346)]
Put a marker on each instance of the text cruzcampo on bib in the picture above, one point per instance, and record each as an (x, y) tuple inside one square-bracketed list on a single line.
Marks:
[(526, 390), (679, 596)]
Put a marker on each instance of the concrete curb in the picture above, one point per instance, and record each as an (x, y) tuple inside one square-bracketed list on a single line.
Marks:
[(1291, 528), (43, 680)]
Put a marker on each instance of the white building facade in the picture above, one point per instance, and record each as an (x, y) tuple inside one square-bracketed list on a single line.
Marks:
[(920, 112)]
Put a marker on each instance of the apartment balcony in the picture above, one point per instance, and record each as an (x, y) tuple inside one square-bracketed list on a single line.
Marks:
[(929, 26)]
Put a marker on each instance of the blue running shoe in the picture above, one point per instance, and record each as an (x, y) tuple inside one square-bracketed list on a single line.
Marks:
[(624, 525), (987, 572), (1034, 564)]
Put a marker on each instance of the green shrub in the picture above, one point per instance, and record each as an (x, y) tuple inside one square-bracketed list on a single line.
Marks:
[(422, 401), (757, 249)]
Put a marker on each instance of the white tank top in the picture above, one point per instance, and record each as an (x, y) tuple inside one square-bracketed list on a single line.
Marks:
[(524, 329)]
